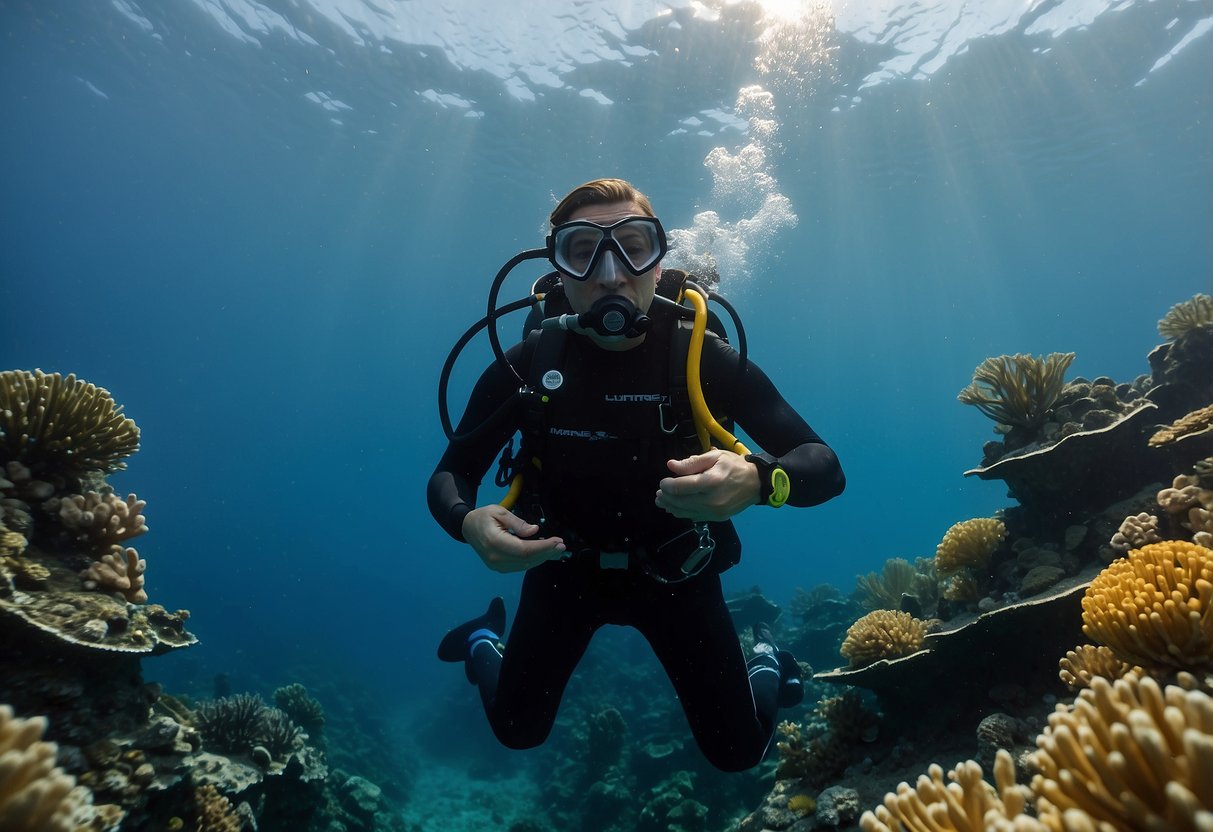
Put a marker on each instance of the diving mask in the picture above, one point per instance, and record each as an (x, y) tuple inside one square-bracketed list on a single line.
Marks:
[(576, 248)]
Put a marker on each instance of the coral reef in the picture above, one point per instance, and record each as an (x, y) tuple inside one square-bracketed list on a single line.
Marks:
[(882, 634), (1154, 608), (35, 793), (56, 424), (1017, 389)]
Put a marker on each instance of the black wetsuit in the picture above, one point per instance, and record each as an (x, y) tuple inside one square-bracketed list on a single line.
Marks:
[(603, 453)]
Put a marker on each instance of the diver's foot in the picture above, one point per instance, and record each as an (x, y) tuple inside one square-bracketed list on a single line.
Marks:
[(791, 687), (457, 645)]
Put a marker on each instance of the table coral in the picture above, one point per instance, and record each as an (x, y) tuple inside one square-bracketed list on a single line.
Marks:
[(882, 634), (1154, 608), (62, 424)]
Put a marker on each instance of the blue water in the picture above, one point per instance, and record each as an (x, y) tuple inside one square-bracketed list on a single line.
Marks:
[(270, 287)]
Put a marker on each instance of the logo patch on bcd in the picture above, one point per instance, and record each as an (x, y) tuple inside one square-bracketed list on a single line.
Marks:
[(552, 379)]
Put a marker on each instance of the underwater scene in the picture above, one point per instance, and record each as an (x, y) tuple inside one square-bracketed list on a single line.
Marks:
[(970, 244)]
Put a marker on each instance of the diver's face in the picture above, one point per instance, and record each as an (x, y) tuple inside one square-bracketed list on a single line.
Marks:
[(611, 277)]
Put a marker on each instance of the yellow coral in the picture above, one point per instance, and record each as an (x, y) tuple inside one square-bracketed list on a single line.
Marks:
[(882, 634), (1017, 389), (34, 792), (215, 812), (969, 544), (62, 422), (884, 591), (1194, 422), (1085, 662), (966, 804), (1154, 608), (802, 804), (1129, 756)]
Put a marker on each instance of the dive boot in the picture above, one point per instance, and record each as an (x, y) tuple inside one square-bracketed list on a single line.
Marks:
[(456, 646), (791, 688)]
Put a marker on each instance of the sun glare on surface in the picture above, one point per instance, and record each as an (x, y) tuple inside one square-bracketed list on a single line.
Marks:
[(786, 9)]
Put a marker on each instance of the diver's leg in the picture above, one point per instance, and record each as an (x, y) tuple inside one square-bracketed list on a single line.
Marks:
[(730, 706), (556, 619)]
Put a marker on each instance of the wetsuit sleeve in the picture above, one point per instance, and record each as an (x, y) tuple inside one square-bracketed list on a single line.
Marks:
[(753, 402), (452, 488)]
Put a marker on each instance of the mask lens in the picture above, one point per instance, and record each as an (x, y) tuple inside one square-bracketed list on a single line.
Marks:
[(576, 247)]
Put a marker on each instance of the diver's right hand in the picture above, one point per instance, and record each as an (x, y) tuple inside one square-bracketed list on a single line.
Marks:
[(499, 537)]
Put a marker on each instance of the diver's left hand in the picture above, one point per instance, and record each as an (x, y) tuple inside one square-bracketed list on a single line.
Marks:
[(709, 486)]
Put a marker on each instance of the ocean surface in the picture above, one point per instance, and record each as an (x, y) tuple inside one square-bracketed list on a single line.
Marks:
[(262, 226)]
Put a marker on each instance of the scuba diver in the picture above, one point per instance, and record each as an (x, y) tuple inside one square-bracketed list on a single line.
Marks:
[(620, 499)]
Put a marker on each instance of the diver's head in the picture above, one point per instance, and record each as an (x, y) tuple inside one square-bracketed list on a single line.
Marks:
[(606, 241)]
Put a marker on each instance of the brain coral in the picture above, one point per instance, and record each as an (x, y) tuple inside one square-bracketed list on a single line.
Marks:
[(882, 634), (969, 544), (1152, 608)]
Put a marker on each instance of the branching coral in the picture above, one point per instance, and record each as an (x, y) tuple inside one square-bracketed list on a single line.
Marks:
[(121, 570), (1153, 608), (214, 812), (1082, 664), (1191, 498), (34, 792), (58, 423), (882, 634), (1128, 757), (968, 545), (1017, 389), (101, 519), (1186, 316)]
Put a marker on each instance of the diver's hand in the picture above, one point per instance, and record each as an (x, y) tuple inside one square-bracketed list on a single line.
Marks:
[(499, 537), (709, 486)]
